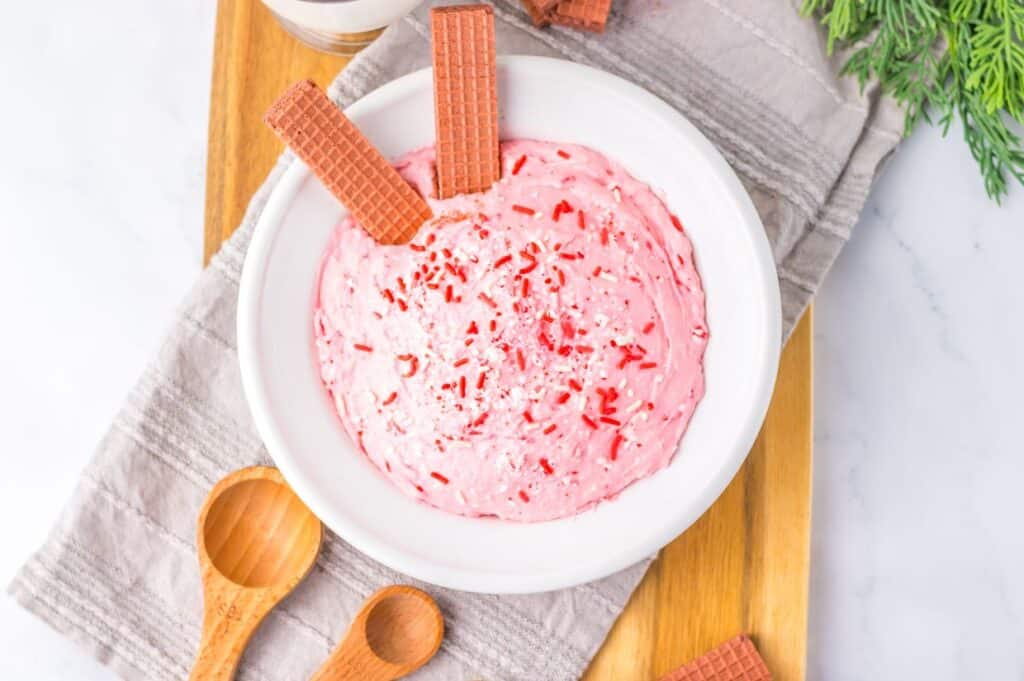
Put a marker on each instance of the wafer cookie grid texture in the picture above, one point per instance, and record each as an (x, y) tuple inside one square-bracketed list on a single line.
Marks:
[(465, 99), (734, 660), (343, 159), (589, 15)]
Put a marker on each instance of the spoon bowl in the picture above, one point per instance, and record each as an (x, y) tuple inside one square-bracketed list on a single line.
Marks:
[(397, 631), (257, 533), (256, 541)]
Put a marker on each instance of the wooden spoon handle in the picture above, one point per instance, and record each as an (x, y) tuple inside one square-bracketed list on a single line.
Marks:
[(230, 617), (352, 660)]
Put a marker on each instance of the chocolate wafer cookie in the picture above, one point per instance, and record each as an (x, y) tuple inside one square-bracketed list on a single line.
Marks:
[(465, 99), (589, 15), (386, 206), (734, 660)]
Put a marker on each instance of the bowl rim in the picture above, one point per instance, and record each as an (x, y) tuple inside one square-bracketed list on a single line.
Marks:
[(256, 260)]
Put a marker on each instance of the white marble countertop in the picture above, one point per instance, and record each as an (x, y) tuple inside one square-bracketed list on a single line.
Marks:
[(918, 554)]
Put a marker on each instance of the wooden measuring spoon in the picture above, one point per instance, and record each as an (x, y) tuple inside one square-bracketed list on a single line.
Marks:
[(256, 542), (396, 632)]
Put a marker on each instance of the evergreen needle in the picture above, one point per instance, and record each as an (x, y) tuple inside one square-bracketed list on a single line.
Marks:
[(943, 59)]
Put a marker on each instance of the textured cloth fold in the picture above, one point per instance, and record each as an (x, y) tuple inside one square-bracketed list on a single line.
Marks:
[(119, 573)]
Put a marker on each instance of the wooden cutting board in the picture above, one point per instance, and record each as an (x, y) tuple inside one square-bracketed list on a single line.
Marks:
[(743, 567)]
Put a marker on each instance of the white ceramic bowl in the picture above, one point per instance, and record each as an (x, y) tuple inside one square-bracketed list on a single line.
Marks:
[(542, 99)]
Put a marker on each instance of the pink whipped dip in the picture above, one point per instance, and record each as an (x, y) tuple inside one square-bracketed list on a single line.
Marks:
[(535, 349)]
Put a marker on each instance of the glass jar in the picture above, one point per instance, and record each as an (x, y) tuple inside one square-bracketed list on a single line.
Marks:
[(338, 26)]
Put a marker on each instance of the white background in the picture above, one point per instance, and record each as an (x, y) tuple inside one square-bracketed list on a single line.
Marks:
[(918, 551)]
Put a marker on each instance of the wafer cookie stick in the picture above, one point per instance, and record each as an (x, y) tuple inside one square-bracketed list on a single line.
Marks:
[(384, 204), (539, 11), (465, 99), (589, 15), (734, 660)]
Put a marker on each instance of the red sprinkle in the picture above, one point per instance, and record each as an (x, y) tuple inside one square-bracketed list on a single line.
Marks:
[(610, 420), (548, 470), (451, 269), (402, 306), (543, 338), (604, 236), (480, 419), (648, 365), (391, 398), (561, 207), (567, 256), (505, 259), (418, 248), (519, 165), (648, 327), (447, 252), (448, 293), (526, 287), (525, 210), (589, 421), (461, 362), (584, 349), (563, 154), (401, 285), (568, 329), (675, 222), (627, 358), (430, 239), (472, 328), (487, 299), (524, 496), (563, 398), (388, 295), (494, 326), (614, 454), (480, 381), (364, 348), (440, 478), (414, 364), (565, 350), (581, 220), (528, 416), (462, 386), (550, 429), (575, 385), (520, 360)]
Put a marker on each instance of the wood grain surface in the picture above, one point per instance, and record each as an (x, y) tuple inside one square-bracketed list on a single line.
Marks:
[(397, 631), (743, 567), (256, 541)]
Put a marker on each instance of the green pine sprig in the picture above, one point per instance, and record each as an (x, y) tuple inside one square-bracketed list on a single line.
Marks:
[(943, 60)]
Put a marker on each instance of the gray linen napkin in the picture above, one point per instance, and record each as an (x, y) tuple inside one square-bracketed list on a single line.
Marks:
[(118, 573)]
